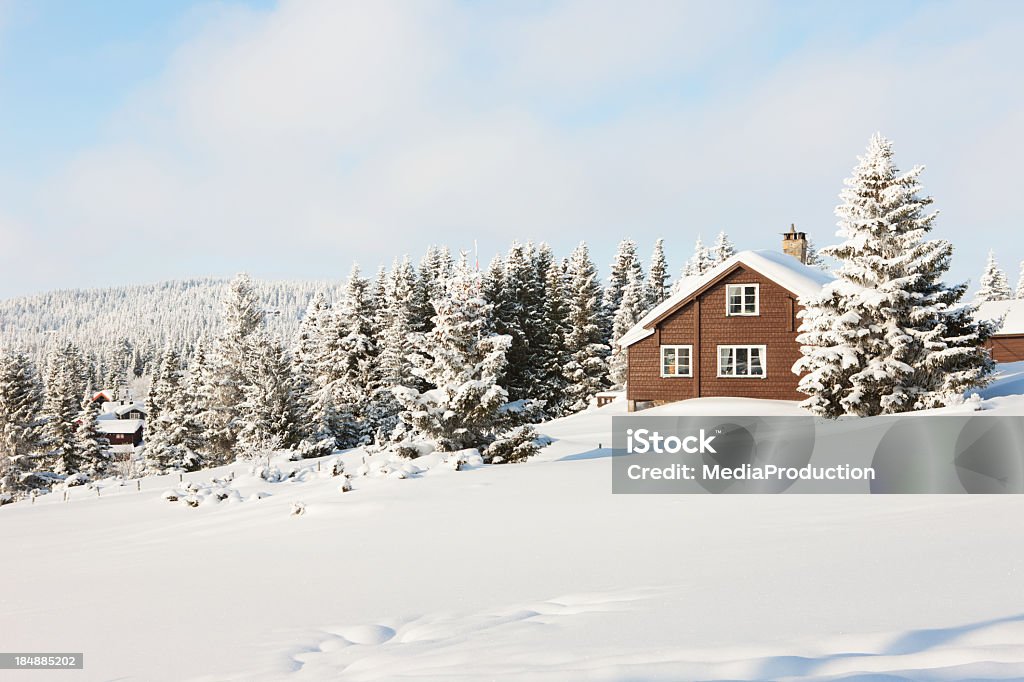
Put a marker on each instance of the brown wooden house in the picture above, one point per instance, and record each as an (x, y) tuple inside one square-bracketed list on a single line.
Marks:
[(728, 333), (122, 431)]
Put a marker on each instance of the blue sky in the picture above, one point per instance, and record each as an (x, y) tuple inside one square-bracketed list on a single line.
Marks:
[(156, 140)]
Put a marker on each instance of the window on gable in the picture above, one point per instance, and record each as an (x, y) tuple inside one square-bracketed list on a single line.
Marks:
[(742, 299), (676, 361), (741, 361)]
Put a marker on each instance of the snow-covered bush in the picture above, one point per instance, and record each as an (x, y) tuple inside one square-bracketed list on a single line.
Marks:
[(412, 448), (311, 449), (463, 459), (195, 494), (517, 445), (268, 472), (298, 508), (76, 480)]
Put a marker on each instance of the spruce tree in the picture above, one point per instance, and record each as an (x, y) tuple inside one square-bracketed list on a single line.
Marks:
[(631, 309), (813, 257), (657, 286), (351, 352), (586, 371), (493, 289), (307, 355), (173, 434), (21, 404), (888, 335), (700, 262), (431, 284), (398, 323), (550, 338), (243, 318), (268, 416), (92, 447), (519, 315), (994, 286), (723, 249), (1020, 283), (200, 391), (463, 362), (66, 385), (626, 264)]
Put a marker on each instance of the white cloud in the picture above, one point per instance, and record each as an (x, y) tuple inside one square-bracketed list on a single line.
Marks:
[(288, 141)]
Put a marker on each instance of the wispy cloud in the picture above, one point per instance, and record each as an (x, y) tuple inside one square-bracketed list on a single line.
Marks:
[(295, 140)]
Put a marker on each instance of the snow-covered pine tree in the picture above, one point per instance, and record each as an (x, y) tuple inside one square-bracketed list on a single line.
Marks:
[(993, 285), (631, 309), (586, 371), (1020, 283), (349, 366), (66, 384), (21, 404), (700, 262), (813, 257), (200, 384), (657, 285), (268, 414), (306, 356), (309, 347), (519, 315), (463, 361), (93, 448), (549, 339), (243, 318), (398, 323), (397, 314), (626, 264), (888, 335), (723, 248), (173, 437), (493, 289), (431, 285)]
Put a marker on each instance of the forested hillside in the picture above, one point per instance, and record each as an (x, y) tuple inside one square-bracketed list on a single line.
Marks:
[(143, 318)]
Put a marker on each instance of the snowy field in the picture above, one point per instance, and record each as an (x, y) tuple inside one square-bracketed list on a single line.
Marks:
[(519, 572)]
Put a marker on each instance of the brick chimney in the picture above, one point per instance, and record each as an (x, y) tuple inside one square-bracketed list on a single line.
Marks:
[(795, 244)]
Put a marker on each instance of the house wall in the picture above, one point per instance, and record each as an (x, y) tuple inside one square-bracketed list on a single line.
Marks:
[(125, 438), (1007, 348), (704, 324)]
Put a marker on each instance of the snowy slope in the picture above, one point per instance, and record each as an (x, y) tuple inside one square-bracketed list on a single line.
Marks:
[(519, 572)]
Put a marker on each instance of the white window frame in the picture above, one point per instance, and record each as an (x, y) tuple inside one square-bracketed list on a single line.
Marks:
[(763, 349), (676, 348), (743, 299)]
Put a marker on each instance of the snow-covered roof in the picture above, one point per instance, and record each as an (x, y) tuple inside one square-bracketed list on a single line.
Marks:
[(125, 409), (119, 409), (1012, 309), (119, 425), (785, 270)]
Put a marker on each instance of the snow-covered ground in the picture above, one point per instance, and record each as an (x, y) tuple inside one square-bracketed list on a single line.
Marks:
[(532, 571)]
